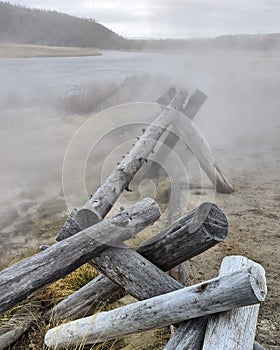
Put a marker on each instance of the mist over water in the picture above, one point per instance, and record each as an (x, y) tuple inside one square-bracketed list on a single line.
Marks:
[(240, 119)]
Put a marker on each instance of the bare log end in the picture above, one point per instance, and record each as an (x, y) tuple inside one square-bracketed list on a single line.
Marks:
[(87, 217), (212, 219), (258, 281)]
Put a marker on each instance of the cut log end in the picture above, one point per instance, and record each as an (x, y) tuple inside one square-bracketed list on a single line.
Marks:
[(212, 219), (87, 218)]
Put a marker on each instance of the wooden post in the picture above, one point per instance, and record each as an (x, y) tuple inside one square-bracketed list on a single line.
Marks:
[(106, 195), (235, 329), (200, 230), (30, 275), (190, 334), (217, 295), (174, 213), (193, 106)]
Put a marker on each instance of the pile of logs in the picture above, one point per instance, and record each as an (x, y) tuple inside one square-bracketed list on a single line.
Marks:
[(220, 313)]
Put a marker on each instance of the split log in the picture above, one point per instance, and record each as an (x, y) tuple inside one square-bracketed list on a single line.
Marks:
[(190, 334), (234, 329), (107, 194), (193, 106), (46, 267), (217, 295), (200, 230)]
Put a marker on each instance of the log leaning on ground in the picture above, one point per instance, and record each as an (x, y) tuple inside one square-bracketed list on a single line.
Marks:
[(195, 142), (217, 295), (235, 329), (107, 194), (193, 106), (30, 275), (191, 235)]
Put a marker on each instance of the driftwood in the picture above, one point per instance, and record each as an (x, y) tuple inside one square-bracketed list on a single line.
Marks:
[(235, 329), (190, 334), (30, 275), (217, 295), (200, 230), (107, 194), (193, 106)]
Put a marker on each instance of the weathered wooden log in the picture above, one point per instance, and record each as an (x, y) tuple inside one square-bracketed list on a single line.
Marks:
[(193, 106), (200, 230), (30, 275), (138, 276), (195, 142), (235, 329), (174, 213), (190, 334), (107, 194), (217, 295)]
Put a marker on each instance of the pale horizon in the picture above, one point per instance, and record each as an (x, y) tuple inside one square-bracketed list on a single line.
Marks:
[(181, 19)]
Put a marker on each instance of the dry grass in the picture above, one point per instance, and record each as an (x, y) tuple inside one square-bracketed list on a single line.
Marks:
[(24, 51)]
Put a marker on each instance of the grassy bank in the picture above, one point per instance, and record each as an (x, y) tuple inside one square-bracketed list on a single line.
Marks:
[(25, 51)]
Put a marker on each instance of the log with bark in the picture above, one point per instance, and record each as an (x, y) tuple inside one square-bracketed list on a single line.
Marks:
[(191, 235), (107, 194), (217, 295), (26, 277)]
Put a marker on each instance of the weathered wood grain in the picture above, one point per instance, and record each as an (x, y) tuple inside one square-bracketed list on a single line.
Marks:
[(195, 142), (235, 329), (190, 334), (107, 194), (217, 295), (30, 275), (191, 235), (191, 109)]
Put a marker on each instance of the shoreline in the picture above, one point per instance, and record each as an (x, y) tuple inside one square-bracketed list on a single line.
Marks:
[(37, 51)]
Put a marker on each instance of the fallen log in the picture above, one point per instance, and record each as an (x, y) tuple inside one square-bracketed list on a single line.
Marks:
[(193, 106), (235, 329), (107, 194), (30, 275), (217, 295), (190, 334), (200, 230)]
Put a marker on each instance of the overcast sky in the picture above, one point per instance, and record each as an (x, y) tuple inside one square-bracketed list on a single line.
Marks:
[(173, 18)]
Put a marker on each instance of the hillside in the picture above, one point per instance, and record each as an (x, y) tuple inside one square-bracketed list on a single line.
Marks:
[(22, 25)]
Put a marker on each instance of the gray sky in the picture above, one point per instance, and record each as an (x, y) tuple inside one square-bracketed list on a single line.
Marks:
[(173, 18)]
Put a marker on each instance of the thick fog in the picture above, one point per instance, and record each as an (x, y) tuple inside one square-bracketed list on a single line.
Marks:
[(40, 114)]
